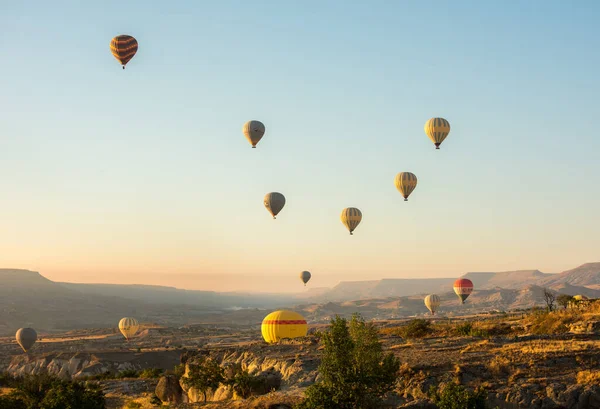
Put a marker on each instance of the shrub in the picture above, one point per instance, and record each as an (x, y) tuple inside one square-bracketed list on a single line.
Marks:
[(416, 328), (355, 372), (204, 374), (453, 396), (133, 405), (150, 373), (128, 373), (11, 402), (464, 329), (243, 383), (47, 392), (155, 401)]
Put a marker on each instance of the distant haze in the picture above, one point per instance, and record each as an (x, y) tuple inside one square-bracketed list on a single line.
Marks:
[(143, 175)]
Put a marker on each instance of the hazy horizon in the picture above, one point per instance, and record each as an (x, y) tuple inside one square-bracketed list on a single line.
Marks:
[(143, 176)]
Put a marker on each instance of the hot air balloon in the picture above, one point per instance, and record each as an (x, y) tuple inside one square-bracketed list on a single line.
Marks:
[(405, 182), (253, 131), (123, 48), (128, 327), (274, 202), (463, 287), (305, 277), (437, 129), (351, 217), (580, 297), (283, 324), (26, 337), (432, 302)]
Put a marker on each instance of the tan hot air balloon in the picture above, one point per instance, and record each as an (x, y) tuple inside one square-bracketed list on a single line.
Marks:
[(351, 217), (26, 337), (123, 48), (432, 302), (305, 277), (253, 131), (405, 182), (128, 327), (437, 129), (274, 202)]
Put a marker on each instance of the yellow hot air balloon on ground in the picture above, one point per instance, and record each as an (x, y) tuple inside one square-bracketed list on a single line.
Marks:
[(405, 182), (437, 129), (432, 302), (128, 327), (123, 48), (253, 131), (283, 324), (351, 217)]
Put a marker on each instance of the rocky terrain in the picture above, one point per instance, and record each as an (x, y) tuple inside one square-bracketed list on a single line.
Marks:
[(522, 359)]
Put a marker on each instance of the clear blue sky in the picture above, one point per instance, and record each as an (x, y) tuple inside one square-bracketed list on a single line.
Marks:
[(143, 175)]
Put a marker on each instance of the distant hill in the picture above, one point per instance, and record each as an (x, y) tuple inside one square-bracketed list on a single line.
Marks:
[(583, 276), (29, 299)]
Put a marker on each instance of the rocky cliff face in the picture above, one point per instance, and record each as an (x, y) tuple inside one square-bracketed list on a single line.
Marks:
[(80, 365), (284, 367)]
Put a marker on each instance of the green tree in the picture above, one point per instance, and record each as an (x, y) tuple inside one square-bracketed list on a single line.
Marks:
[(563, 300), (243, 383), (73, 395), (204, 374), (355, 371), (11, 402)]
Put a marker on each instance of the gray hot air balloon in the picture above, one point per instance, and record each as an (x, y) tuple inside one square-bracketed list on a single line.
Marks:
[(305, 277), (26, 337), (274, 202), (253, 131)]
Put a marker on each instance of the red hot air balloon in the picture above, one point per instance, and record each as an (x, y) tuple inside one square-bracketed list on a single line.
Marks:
[(463, 287)]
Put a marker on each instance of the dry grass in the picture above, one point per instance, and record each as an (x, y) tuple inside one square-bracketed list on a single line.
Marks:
[(588, 377), (499, 365)]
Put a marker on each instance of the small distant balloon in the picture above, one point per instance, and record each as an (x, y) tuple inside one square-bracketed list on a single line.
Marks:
[(253, 131), (274, 202), (128, 327), (432, 302), (405, 182), (26, 337), (123, 48), (437, 129), (305, 277), (351, 218)]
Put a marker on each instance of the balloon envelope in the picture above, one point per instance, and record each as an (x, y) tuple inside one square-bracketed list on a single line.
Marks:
[(274, 202), (123, 48), (253, 131), (283, 324), (128, 327), (305, 277), (405, 182), (437, 129), (351, 217), (26, 337), (432, 302), (463, 287)]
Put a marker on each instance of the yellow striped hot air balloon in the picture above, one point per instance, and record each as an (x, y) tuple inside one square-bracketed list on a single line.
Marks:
[(128, 327), (437, 129), (123, 48), (432, 302), (283, 324), (405, 182), (351, 217)]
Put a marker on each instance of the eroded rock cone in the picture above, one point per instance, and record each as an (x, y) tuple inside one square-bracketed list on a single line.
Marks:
[(169, 390)]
